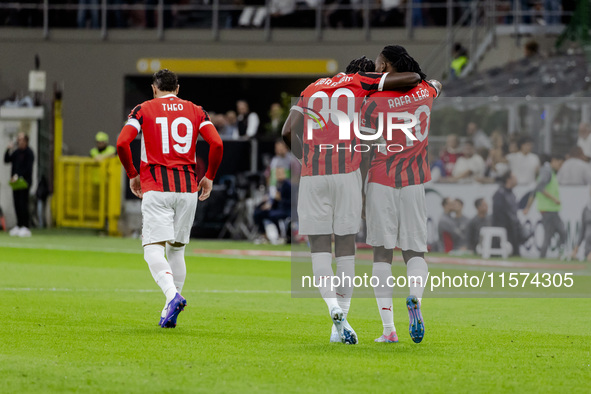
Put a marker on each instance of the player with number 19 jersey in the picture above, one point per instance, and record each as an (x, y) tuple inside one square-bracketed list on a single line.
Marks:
[(171, 125), (338, 92)]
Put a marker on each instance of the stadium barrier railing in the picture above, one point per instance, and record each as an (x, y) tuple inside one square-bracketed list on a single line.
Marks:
[(88, 193)]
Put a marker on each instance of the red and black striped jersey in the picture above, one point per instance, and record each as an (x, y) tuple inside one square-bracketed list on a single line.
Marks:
[(324, 153), (400, 161), (170, 127)]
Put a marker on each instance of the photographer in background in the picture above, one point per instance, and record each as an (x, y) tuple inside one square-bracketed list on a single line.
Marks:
[(21, 177)]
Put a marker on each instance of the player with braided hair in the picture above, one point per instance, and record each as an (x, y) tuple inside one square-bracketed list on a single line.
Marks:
[(399, 59), (395, 202), (361, 64)]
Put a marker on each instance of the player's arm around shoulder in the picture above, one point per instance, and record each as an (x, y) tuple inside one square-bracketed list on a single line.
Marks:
[(400, 81)]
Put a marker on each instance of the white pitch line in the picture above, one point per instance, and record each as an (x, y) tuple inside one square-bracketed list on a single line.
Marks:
[(139, 251), (57, 289)]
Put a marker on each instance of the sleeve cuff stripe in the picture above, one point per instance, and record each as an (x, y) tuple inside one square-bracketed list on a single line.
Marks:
[(134, 123), (204, 124)]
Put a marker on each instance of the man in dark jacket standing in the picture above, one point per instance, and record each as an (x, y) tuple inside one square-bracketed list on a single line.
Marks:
[(22, 159), (504, 213)]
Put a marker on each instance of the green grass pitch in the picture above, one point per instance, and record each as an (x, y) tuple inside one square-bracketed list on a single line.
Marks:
[(80, 313)]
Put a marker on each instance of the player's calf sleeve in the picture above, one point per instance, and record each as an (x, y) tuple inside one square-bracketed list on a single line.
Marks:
[(417, 273), (383, 294), (176, 259), (346, 274), (160, 269), (322, 269)]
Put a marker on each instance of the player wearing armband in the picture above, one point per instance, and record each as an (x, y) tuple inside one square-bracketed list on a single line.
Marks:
[(330, 201), (395, 200), (167, 182)]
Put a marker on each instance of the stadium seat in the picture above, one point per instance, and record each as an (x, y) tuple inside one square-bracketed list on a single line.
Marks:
[(486, 236)]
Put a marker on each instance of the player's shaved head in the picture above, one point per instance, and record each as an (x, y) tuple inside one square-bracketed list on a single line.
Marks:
[(361, 64), (165, 80), (399, 59)]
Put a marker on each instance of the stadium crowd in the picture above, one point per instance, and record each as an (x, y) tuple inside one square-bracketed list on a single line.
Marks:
[(243, 124), (481, 158), (252, 13), (509, 162)]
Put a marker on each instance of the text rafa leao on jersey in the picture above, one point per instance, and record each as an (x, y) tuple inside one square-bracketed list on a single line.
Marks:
[(172, 107), (421, 94)]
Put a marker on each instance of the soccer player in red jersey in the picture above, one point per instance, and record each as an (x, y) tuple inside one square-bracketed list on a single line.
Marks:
[(330, 200), (167, 181), (395, 200)]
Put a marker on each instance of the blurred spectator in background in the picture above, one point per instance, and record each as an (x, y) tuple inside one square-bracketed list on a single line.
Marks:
[(450, 153), (437, 166), (585, 233), (575, 170), (469, 166), (552, 12), (248, 122), (524, 164), (496, 163), (282, 12), (115, 17), (531, 49), (584, 140), (480, 220), (137, 16), (547, 195), (504, 211), (102, 150), (513, 146), (478, 137), (342, 13), (276, 120), (152, 13), (282, 159), (232, 120), (390, 15), (498, 141), (88, 8), (417, 13), (21, 178), (268, 215), (221, 125), (450, 236), (459, 61), (460, 242)]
